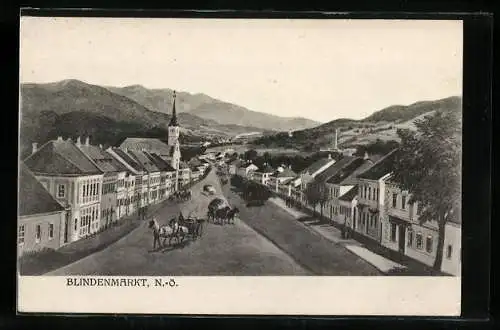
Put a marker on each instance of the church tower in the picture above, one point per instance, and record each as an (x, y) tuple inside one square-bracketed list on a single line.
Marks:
[(173, 127)]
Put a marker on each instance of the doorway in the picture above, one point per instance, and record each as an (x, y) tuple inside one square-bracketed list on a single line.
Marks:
[(66, 230), (402, 238)]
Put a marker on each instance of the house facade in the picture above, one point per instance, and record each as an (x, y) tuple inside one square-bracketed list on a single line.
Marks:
[(278, 180), (371, 219), (112, 170), (244, 170), (138, 181), (74, 181), (407, 234), (262, 175), (41, 218), (342, 182)]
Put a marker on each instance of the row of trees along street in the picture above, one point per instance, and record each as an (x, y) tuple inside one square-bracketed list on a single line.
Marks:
[(251, 191)]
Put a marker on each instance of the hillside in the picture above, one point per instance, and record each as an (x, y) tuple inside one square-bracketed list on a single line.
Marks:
[(381, 126), (91, 105), (203, 106)]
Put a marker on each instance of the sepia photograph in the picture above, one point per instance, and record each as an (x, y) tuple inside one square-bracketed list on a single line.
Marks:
[(162, 152)]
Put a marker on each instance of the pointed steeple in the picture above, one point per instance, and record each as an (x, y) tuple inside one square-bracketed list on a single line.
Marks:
[(173, 121)]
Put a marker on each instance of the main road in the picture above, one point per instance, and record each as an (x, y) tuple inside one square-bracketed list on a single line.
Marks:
[(263, 241), (222, 250)]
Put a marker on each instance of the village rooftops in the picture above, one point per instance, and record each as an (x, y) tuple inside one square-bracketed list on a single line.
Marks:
[(286, 173), (129, 160), (104, 161), (195, 162), (141, 157), (317, 165), (334, 169), (60, 157), (159, 162), (33, 197), (381, 168), (350, 194), (347, 175), (149, 144)]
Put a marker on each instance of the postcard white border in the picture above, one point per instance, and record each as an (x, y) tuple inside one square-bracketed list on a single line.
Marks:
[(273, 295)]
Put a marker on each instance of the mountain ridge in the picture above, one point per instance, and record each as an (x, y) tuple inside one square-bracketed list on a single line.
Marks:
[(381, 126), (207, 107)]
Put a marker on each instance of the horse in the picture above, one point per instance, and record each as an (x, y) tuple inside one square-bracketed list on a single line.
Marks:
[(180, 231), (166, 231), (231, 214), (194, 226), (221, 214)]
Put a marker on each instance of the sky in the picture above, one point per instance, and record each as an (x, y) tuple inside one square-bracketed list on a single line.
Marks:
[(317, 69)]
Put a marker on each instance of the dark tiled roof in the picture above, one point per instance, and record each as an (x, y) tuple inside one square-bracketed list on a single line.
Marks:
[(129, 160), (334, 168), (286, 173), (61, 157), (347, 175), (103, 160), (350, 194), (160, 163), (33, 197), (382, 167), (148, 144), (194, 162), (317, 165), (141, 158)]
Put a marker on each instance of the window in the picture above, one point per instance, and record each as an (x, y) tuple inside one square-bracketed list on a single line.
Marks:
[(61, 191), (403, 202), (418, 240), (369, 193), (21, 234), (394, 200), (428, 244), (419, 208), (393, 232), (449, 252), (51, 231), (366, 188), (38, 233), (76, 223), (410, 237), (376, 198)]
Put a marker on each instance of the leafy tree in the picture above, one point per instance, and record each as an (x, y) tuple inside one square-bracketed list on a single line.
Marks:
[(250, 154), (428, 165), (316, 193)]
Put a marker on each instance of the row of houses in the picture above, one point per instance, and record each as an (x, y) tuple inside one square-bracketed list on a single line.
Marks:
[(362, 196), (69, 190)]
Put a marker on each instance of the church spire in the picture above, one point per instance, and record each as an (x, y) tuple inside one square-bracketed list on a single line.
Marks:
[(173, 121)]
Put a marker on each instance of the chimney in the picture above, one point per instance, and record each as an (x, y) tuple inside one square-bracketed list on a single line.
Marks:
[(87, 141), (365, 157), (78, 142), (100, 146), (329, 156), (59, 139), (34, 147)]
